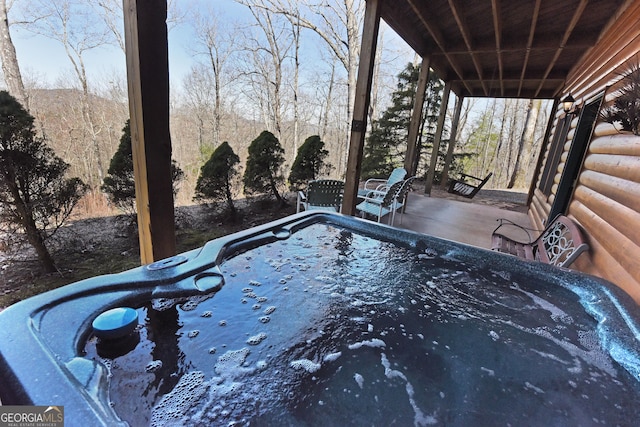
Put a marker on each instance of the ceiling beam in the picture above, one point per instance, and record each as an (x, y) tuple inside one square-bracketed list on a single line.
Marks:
[(513, 79), (516, 75), (432, 28), (572, 25), (483, 45), (468, 40), (541, 43), (497, 29), (532, 33)]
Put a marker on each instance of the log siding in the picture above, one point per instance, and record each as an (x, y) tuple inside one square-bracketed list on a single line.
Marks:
[(606, 199)]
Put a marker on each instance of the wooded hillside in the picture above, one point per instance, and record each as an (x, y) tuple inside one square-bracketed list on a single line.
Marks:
[(286, 67)]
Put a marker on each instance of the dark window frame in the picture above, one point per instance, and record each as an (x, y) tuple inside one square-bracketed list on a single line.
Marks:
[(575, 158), (555, 154)]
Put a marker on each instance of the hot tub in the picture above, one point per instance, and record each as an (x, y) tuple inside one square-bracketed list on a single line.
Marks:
[(324, 319)]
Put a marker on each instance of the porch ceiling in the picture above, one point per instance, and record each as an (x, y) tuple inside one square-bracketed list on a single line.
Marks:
[(502, 48)]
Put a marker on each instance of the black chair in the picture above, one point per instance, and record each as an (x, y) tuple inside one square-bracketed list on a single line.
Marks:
[(323, 194)]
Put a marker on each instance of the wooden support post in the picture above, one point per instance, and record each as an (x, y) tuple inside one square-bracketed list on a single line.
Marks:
[(361, 105), (410, 158), (452, 142), (438, 137), (148, 84)]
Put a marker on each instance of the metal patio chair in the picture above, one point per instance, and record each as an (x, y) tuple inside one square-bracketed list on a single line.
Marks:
[(375, 184), (400, 201), (321, 194), (560, 243), (379, 203)]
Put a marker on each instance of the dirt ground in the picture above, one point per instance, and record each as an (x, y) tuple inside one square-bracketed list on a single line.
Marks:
[(93, 246), (88, 247)]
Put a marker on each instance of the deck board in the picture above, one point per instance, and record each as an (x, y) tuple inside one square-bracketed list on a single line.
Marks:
[(460, 221)]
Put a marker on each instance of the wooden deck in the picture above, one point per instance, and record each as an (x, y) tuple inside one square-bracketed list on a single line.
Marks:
[(457, 220)]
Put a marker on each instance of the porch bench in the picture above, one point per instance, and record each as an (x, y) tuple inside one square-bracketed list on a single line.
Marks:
[(467, 185), (559, 244)]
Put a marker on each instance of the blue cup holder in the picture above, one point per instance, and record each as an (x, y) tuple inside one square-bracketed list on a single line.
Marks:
[(115, 323)]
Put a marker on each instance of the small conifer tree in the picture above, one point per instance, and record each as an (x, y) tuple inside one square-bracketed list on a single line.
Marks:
[(35, 196), (263, 172), (386, 145), (218, 176), (119, 184), (376, 160), (309, 163)]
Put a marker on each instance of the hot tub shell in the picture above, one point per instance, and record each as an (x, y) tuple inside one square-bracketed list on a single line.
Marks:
[(42, 338)]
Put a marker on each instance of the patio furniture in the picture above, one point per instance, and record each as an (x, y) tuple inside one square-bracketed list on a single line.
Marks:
[(559, 244), (465, 186), (400, 202), (321, 194), (380, 204), (376, 184)]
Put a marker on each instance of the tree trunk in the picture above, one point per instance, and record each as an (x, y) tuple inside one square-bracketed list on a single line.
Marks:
[(31, 230), (274, 190), (480, 169), (495, 159), (35, 239), (217, 108), (353, 43), (325, 121), (373, 103), (10, 68), (88, 114), (511, 111), (527, 137), (230, 206), (296, 113)]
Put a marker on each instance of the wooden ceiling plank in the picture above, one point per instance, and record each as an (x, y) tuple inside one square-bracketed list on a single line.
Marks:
[(466, 36), (515, 79), (483, 44), (505, 48), (532, 32), (497, 28), (570, 28), (432, 28)]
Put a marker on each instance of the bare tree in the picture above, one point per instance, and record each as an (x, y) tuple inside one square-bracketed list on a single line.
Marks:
[(325, 116), (10, 67), (482, 165), (526, 138), (111, 13), (200, 95), (499, 161), (215, 44), (295, 31), (74, 25), (269, 61), (338, 23)]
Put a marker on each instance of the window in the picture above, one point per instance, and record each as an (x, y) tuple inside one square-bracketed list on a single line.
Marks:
[(555, 152)]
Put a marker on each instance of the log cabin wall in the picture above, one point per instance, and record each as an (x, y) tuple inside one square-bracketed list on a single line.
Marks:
[(606, 198)]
